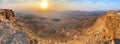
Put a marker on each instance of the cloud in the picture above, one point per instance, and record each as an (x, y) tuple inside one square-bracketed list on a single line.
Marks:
[(16, 1)]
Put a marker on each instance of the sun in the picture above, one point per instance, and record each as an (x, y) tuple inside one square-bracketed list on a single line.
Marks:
[(44, 4)]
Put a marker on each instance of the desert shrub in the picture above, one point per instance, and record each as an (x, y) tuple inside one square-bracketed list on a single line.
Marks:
[(28, 17), (55, 19)]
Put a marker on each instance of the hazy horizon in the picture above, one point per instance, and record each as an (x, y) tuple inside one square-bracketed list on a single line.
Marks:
[(83, 5)]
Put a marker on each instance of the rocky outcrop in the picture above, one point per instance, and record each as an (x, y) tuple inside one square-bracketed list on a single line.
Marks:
[(112, 26), (7, 14), (10, 33), (13, 32), (105, 30)]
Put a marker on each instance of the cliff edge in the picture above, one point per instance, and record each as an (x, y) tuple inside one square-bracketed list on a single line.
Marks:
[(13, 32)]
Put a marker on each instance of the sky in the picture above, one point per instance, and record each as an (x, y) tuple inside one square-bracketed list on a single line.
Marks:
[(63, 4)]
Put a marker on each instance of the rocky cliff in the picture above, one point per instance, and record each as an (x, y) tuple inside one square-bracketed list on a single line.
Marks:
[(13, 32), (7, 14), (105, 30)]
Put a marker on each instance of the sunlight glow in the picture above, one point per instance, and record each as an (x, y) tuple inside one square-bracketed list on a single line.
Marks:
[(44, 4)]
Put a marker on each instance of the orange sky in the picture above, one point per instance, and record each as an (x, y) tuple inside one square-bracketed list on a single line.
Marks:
[(62, 4)]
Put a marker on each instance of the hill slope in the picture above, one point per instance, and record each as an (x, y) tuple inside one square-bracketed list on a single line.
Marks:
[(12, 31)]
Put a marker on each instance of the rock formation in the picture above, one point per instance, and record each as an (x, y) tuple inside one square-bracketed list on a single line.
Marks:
[(7, 14), (106, 29), (10, 33), (112, 26), (13, 32)]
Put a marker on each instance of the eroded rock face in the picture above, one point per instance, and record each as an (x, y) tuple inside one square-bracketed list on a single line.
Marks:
[(7, 36), (7, 14), (106, 29), (112, 26), (14, 32), (11, 31)]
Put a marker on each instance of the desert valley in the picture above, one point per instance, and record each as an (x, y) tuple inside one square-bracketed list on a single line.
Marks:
[(59, 22), (81, 27)]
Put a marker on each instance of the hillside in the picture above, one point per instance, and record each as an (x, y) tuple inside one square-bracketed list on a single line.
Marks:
[(92, 30), (12, 31), (105, 30)]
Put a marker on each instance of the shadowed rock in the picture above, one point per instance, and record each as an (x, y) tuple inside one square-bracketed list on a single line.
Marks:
[(107, 29), (11, 31)]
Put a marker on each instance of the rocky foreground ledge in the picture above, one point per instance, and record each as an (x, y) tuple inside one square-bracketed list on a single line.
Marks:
[(11, 31)]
